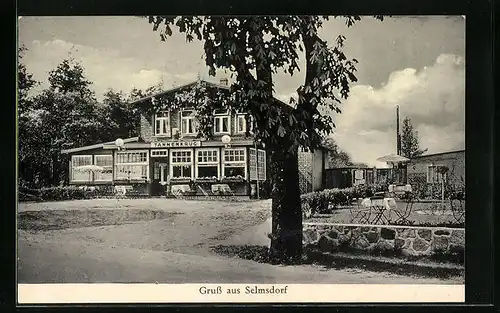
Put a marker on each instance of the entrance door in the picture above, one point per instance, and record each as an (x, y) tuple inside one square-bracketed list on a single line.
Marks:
[(160, 175)]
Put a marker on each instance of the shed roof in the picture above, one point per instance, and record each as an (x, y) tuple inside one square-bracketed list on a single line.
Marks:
[(97, 146), (439, 153)]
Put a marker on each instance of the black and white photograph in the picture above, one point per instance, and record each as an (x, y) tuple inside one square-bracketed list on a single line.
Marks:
[(241, 155)]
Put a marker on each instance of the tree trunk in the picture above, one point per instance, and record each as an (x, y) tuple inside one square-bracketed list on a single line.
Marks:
[(286, 237)]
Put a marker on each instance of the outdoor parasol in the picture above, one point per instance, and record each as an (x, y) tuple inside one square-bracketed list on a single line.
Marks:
[(393, 159)]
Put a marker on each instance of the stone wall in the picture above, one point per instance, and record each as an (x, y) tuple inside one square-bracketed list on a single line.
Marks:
[(384, 240)]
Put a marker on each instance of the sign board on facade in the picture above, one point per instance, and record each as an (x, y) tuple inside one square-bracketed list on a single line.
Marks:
[(175, 144)]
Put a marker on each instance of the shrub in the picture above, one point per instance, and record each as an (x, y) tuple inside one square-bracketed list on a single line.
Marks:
[(325, 201), (265, 189), (70, 193)]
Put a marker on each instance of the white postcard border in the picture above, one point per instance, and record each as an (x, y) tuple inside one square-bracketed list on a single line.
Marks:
[(196, 293)]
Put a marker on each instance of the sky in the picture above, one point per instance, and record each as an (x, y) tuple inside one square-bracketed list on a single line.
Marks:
[(417, 63)]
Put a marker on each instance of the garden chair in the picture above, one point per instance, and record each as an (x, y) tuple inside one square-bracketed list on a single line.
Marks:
[(404, 210), (378, 215), (203, 191), (223, 190), (178, 194), (359, 213), (207, 194), (457, 205)]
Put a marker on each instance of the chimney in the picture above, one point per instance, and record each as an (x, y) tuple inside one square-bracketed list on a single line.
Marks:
[(224, 81)]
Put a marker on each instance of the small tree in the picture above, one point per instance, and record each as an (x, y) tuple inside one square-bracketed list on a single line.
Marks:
[(410, 147)]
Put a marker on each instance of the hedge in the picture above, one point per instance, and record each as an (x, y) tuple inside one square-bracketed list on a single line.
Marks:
[(65, 193), (324, 201)]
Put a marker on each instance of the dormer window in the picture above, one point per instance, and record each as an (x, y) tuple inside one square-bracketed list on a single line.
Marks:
[(162, 124), (222, 123), (188, 122)]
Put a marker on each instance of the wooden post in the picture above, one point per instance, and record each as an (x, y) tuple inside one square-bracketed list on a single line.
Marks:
[(257, 168), (442, 187)]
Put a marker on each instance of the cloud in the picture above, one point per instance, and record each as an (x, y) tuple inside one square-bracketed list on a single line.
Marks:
[(433, 97), (106, 68)]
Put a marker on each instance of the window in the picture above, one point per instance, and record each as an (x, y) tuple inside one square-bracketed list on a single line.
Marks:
[(241, 124), (434, 174), (222, 122), (159, 153), (106, 163), (250, 128), (261, 164), (78, 171), (181, 164), (207, 163), (162, 124), (188, 122), (132, 165), (235, 163)]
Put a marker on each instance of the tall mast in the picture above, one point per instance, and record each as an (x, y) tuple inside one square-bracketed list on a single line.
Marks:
[(398, 137)]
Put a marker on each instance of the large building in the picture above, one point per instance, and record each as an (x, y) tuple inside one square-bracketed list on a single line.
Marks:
[(169, 157)]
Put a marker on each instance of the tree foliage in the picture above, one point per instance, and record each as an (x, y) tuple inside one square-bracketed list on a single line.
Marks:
[(68, 77), (336, 157), (410, 146), (25, 82), (66, 115), (254, 49)]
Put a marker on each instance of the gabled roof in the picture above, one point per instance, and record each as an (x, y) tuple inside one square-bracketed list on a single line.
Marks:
[(210, 84), (179, 88), (97, 146)]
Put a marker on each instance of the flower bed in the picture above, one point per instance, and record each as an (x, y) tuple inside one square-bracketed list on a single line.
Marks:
[(212, 179), (180, 180), (233, 179)]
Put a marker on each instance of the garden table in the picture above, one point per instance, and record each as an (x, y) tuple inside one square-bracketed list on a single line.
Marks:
[(221, 189), (381, 207), (176, 189)]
